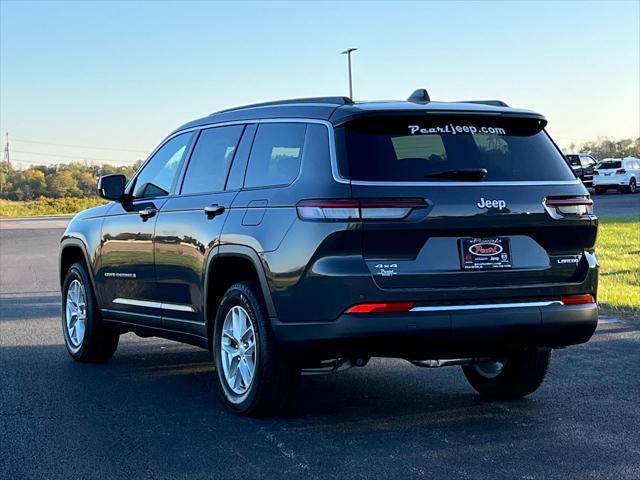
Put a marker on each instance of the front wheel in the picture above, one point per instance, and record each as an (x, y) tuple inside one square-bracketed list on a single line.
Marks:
[(253, 376), (86, 336), (512, 377)]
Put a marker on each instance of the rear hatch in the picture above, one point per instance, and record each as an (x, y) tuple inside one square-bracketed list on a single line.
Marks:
[(493, 201), (610, 171)]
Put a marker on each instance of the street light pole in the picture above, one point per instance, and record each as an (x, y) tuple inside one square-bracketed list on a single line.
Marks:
[(347, 52)]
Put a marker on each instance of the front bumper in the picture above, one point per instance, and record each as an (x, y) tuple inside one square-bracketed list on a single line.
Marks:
[(451, 333)]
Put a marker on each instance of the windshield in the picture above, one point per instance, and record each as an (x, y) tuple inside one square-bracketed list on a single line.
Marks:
[(448, 148), (609, 165)]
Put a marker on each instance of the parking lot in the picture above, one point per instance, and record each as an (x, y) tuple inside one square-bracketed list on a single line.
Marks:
[(151, 412)]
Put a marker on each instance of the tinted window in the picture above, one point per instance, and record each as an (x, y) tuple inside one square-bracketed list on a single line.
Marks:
[(275, 155), (158, 175), (211, 158), (607, 165), (574, 160), (416, 148)]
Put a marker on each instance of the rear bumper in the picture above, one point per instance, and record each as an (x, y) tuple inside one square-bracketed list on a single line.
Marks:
[(441, 333), (615, 181)]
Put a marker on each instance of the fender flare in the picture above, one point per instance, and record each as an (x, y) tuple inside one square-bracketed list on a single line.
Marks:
[(246, 253), (76, 242)]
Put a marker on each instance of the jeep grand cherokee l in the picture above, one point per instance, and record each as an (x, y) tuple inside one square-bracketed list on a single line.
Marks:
[(310, 235)]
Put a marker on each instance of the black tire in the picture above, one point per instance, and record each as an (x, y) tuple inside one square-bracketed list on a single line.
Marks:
[(274, 380), (99, 342), (632, 186), (521, 375), (599, 190)]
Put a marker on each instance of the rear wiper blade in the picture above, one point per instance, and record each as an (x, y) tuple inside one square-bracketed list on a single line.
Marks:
[(466, 175)]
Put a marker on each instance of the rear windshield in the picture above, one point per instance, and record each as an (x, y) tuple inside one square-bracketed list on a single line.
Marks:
[(423, 148), (574, 160), (610, 165)]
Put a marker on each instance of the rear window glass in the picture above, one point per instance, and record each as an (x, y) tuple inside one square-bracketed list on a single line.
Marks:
[(276, 154), (574, 160), (423, 148), (610, 164)]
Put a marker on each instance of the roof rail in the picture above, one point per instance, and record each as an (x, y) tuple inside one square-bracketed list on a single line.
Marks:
[(495, 103), (327, 100), (419, 96)]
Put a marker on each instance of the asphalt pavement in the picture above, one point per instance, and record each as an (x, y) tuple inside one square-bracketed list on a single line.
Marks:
[(615, 204), (151, 412)]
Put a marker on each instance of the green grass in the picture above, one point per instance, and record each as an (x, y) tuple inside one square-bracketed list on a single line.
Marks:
[(47, 206), (618, 251)]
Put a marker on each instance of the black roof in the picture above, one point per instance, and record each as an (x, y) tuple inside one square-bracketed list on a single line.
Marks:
[(342, 109)]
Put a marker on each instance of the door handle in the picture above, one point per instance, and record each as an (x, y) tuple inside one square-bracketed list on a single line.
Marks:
[(147, 212), (213, 210)]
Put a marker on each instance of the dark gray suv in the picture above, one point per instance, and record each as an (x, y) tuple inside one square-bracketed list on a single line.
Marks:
[(310, 235)]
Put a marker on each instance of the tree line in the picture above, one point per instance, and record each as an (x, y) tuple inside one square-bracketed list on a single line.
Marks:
[(608, 148), (80, 180), (55, 181)]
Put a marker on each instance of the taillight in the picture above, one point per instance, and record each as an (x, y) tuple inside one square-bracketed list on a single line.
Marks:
[(388, 307), (577, 299), (358, 209), (621, 171), (569, 206)]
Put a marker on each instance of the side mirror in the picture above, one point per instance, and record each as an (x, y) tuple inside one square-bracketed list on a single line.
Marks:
[(111, 187)]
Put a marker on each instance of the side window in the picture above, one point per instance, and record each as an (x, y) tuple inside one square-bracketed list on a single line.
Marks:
[(276, 154), (211, 158), (158, 175)]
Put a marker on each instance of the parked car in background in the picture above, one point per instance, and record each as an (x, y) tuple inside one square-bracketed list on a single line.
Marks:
[(582, 165), (619, 173)]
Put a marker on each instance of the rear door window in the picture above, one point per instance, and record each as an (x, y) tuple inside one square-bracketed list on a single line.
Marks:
[(418, 149), (276, 155), (209, 165)]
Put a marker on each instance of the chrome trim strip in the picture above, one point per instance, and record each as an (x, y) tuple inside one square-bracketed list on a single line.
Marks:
[(484, 306), (145, 303)]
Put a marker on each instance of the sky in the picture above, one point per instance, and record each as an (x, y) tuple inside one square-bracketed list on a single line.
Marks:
[(106, 81)]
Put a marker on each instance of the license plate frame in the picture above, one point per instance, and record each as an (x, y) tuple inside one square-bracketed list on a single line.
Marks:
[(492, 253)]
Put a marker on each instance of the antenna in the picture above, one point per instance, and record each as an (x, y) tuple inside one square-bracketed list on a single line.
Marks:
[(6, 150)]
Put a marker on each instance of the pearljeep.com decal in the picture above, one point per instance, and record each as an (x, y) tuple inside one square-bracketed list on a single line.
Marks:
[(455, 129)]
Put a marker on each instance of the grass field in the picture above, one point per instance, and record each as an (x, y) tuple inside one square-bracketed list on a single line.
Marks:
[(47, 206), (618, 250)]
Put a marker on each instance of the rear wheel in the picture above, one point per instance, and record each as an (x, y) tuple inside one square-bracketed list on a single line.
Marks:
[(512, 377), (632, 186), (253, 376), (599, 190), (86, 336)]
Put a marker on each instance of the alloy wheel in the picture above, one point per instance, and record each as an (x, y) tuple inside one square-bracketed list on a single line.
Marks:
[(76, 314), (238, 350)]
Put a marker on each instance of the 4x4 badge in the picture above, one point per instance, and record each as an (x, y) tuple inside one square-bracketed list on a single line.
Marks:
[(387, 269)]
